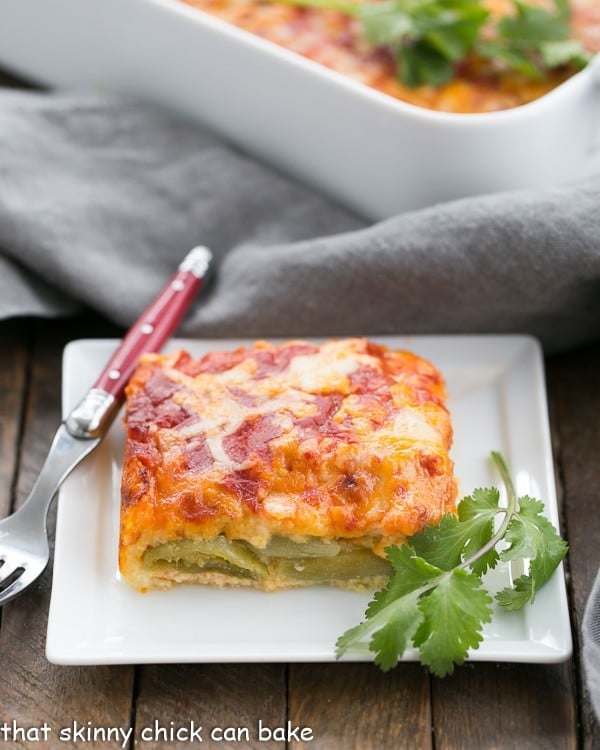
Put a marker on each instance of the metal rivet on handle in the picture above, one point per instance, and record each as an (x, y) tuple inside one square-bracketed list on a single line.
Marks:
[(147, 328), (178, 285), (114, 374)]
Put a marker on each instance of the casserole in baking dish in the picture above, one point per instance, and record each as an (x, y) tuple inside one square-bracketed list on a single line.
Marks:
[(278, 466), (372, 153), (334, 34)]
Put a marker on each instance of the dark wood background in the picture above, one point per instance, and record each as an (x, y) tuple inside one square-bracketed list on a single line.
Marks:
[(347, 706), (481, 706)]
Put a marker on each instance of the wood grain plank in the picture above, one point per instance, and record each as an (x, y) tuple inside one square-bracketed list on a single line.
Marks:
[(574, 387), (356, 706), (14, 339), (214, 696), (33, 691), (507, 706)]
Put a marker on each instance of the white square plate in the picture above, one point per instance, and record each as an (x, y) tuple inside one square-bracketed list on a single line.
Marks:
[(498, 402)]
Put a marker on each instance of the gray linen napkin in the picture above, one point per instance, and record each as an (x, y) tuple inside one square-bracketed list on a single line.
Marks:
[(100, 198), (591, 644)]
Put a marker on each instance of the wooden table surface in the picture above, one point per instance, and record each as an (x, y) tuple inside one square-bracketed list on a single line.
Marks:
[(481, 707)]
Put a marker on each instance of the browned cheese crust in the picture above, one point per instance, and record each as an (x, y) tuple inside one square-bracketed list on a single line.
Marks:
[(342, 443)]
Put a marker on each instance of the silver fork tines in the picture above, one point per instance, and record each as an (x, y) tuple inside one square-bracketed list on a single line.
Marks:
[(17, 571), (24, 548)]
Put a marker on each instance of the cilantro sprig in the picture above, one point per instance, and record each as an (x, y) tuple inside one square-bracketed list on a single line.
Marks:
[(427, 37), (534, 40), (430, 38), (435, 599)]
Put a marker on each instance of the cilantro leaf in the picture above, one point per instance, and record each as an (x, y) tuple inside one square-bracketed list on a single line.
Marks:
[(392, 614), (562, 52), (441, 545), (524, 533), (351, 638), (456, 539), (391, 641), (385, 23), (512, 57), (535, 39), (531, 535), (515, 597), (452, 27), (420, 65), (426, 36), (454, 613), (479, 511), (532, 24), (434, 602), (410, 573)]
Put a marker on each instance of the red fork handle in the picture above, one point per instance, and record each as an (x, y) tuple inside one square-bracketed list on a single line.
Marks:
[(93, 415), (157, 323)]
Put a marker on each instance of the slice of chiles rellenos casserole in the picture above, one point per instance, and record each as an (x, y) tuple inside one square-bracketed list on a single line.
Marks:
[(277, 466)]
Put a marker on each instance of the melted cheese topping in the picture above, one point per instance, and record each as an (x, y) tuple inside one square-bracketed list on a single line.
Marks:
[(333, 39), (343, 440)]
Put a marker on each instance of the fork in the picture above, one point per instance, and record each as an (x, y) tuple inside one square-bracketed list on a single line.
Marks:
[(24, 546)]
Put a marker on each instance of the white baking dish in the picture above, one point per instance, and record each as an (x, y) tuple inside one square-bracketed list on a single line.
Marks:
[(376, 155)]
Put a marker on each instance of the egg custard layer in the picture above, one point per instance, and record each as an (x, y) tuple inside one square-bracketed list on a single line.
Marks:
[(277, 466)]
